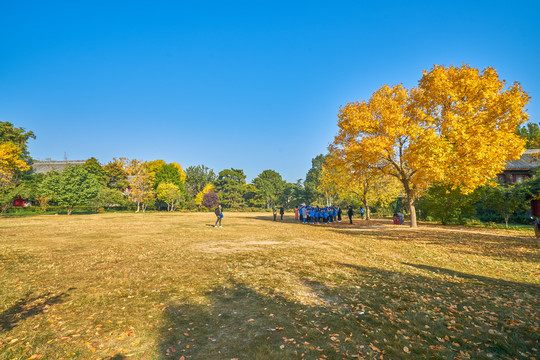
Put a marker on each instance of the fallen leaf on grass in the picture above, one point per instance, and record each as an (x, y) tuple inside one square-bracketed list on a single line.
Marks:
[(406, 349)]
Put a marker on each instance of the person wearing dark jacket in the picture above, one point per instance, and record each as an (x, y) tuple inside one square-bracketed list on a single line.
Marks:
[(350, 212), (219, 214), (339, 213), (281, 212)]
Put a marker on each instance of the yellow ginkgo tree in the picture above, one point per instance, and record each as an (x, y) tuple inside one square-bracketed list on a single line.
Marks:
[(10, 163), (350, 176), (457, 127)]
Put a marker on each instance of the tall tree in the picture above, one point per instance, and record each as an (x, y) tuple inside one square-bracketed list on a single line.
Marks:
[(141, 184), (169, 173), (93, 167), (116, 174), (231, 186), (530, 132), (10, 163), (270, 187), (458, 127), (17, 136), (312, 182), (358, 179), (73, 186), (197, 177)]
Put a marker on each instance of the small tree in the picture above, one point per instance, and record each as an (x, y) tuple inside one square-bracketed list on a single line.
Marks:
[(142, 191), (447, 204), (43, 202), (170, 194), (210, 199), (200, 196), (506, 200), (108, 198)]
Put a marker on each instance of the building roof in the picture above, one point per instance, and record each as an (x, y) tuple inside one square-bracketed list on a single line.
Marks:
[(529, 160), (43, 167)]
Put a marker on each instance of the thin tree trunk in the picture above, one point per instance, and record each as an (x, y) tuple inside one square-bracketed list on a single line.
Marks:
[(412, 210), (69, 210), (138, 206)]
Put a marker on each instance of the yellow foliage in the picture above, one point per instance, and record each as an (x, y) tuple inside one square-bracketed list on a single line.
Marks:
[(181, 171), (458, 127), (154, 166), (200, 196), (10, 162)]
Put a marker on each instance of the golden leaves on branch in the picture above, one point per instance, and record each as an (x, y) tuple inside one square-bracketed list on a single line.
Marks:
[(457, 127)]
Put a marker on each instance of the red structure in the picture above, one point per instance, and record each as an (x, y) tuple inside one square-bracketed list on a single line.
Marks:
[(19, 202)]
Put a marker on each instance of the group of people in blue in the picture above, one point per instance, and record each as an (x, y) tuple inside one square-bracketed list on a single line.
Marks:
[(318, 215), (322, 215)]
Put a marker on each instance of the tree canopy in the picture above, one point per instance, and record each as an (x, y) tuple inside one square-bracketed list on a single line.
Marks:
[(73, 186), (458, 127), (270, 187), (231, 186)]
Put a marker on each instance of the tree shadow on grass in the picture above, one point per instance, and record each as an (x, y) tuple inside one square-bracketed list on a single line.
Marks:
[(532, 288), (287, 218), (27, 307), (515, 248), (371, 312)]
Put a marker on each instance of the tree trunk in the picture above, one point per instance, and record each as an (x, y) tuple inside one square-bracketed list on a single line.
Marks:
[(69, 210), (506, 217), (138, 206), (412, 210), (364, 201)]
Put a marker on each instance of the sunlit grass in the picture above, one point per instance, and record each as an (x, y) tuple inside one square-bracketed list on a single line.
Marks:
[(163, 286)]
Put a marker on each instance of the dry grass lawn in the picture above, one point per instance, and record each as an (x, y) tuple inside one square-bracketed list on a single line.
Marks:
[(171, 286)]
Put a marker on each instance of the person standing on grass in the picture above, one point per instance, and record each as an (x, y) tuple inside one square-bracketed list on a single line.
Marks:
[(362, 213), (339, 212), (296, 212), (350, 212), (281, 212), (219, 215)]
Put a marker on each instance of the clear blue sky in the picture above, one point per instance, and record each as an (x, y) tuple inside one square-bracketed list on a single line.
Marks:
[(251, 85)]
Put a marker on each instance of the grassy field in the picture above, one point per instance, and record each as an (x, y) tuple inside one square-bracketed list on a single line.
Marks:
[(171, 286)]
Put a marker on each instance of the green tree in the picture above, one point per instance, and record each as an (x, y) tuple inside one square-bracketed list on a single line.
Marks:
[(447, 204), (312, 183), (270, 187), (506, 200), (197, 177), (231, 187), (94, 167), (107, 198), (116, 174), (169, 173), (252, 198), (531, 133), (288, 195), (73, 186), (170, 194), (14, 161), (18, 137)]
